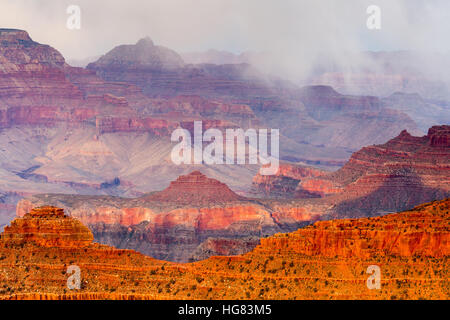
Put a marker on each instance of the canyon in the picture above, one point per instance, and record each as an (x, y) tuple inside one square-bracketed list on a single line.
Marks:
[(327, 260), (102, 130), (86, 138), (175, 224), (197, 216), (86, 178)]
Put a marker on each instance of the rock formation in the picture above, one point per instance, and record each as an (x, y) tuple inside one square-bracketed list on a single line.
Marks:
[(328, 260), (173, 223), (76, 131), (47, 227), (397, 175), (162, 72), (144, 54), (310, 116), (195, 189), (105, 130)]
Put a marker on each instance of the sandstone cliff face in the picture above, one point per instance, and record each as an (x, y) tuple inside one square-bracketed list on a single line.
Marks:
[(47, 227), (39, 88), (419, 232), (397, 175), (325, 261), (34, 89)]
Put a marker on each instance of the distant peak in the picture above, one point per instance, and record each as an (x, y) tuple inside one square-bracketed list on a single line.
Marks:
[(143, 54), (404, 133), (196, 189), (147, 41)]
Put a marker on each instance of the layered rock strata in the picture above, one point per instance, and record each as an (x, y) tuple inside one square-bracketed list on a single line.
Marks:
[(328, 260)]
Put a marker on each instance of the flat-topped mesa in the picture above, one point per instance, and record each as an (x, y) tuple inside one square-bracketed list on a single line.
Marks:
[(13, 36), (196, 189), (47, 227), (18, 48)]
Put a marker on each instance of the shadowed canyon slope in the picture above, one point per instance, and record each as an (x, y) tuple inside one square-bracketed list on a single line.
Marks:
[(394, 176), (327, 260), (399, 174)]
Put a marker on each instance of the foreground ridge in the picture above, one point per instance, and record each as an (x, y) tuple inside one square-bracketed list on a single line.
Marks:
[(324, 261)]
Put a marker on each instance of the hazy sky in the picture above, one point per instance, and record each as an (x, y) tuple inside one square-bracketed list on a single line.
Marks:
[(294, 26)]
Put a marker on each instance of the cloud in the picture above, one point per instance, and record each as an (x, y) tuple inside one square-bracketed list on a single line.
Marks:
[(295, 31)]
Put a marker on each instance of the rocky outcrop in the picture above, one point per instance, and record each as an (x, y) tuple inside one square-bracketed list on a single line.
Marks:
[(195, 189), (328, 260), (423, 231), (397, 175), (33, 87), (47, 227), (37, 87), (20, 49)]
